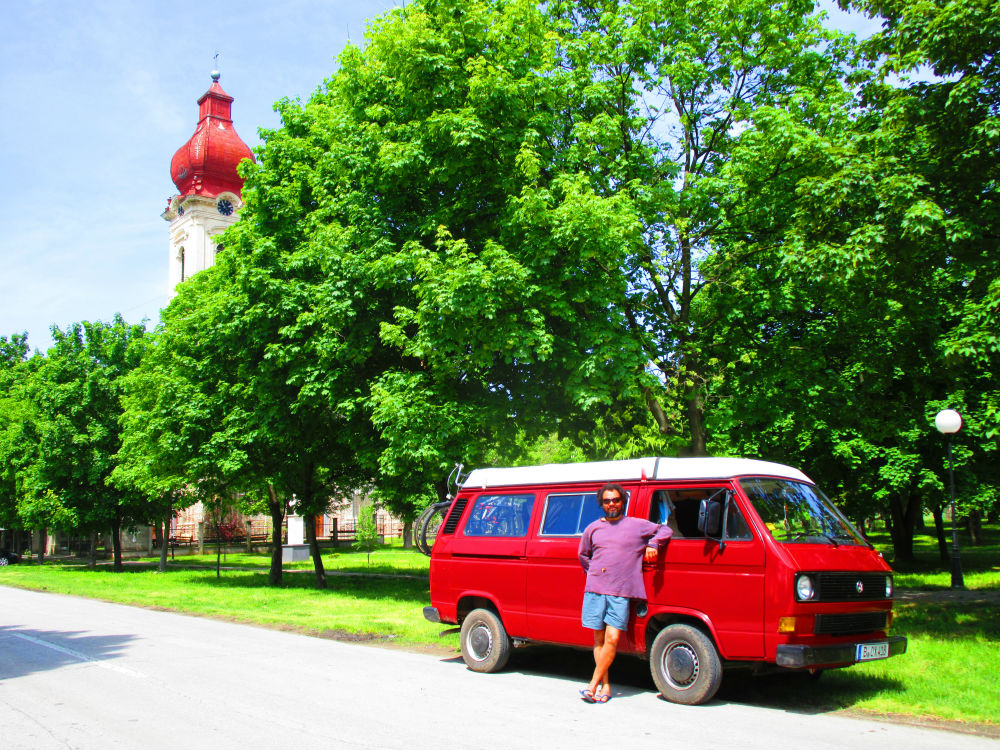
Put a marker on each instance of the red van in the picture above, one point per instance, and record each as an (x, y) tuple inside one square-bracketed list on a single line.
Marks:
[(762, 570)]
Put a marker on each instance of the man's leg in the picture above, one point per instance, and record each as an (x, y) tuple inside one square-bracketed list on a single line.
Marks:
[(605, 650)]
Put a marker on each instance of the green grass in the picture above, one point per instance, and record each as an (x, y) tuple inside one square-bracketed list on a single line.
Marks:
[(390, 559), (384, 607), (949, 671), (980, 565)]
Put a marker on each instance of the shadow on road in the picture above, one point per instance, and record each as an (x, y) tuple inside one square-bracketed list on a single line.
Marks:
[(795, 692), (25, 651)]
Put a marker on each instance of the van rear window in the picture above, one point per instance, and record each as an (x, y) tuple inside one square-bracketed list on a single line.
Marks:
[(500, 515), (570, 514)]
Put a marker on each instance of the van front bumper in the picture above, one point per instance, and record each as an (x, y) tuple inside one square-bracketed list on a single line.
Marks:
[(798, 655)]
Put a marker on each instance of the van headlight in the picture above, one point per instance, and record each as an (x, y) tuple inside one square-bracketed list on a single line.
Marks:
[(804, 589), (888, 587)]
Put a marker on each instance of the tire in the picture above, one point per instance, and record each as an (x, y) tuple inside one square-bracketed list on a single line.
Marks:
[(485, 644), (426, 526), (685, 665)]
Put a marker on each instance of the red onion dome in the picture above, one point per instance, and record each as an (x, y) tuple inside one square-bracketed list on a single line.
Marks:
[(206, 164)]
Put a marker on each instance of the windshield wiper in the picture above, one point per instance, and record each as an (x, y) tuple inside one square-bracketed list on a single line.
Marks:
[(807, 534)]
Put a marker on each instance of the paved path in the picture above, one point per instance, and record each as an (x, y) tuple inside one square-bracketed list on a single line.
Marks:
[(78, 673)]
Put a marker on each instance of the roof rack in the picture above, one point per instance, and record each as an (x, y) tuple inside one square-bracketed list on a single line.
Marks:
[(630, 470)]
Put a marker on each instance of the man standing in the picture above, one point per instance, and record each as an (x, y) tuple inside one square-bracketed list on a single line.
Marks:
[(611, 552)]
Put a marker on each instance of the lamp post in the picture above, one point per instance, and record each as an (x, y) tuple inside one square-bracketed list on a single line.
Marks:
[(948, 422)]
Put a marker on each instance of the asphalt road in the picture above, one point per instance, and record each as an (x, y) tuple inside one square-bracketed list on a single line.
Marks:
[(77, 673)]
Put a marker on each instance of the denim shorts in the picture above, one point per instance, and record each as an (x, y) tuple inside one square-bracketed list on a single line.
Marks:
[(605, 609)]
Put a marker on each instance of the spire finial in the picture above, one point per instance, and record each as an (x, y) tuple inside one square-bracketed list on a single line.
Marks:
[(215, 72)]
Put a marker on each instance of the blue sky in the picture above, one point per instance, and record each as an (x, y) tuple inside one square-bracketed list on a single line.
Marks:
[(97, 97)]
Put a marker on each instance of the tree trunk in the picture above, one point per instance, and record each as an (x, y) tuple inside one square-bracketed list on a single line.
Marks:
[(116, 542), (696, 423), (310, 522), (43, 542), (277, 510), (407, 534), (659, 416), (307, 501), (217, 523), (92, 550), (939, 530), (904, 510), (441, 489), (165, 540), (976, 527)]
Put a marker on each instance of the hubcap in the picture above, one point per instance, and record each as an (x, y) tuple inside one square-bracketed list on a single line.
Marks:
[(680, 665), (480, 642)]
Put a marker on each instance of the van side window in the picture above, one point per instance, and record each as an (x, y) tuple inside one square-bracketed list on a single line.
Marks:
[(678, 508), (662, 510), (500, 515), (736, 525), (569, 514)]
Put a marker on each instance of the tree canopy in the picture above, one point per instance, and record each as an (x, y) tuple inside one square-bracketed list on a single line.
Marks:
[(602, 228)]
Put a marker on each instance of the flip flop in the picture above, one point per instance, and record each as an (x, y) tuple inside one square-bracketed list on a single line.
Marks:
[(587, 695), (602, 698)]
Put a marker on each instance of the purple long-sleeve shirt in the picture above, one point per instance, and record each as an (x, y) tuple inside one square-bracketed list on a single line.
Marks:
[(611, 554)]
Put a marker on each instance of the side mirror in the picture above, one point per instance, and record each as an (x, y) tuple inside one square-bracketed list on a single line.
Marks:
[(710, 518)]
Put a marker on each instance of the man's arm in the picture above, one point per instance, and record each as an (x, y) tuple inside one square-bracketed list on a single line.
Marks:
[(586, 549), (657, 541)]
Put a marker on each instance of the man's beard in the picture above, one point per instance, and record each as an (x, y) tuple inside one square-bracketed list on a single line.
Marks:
[(613, 512)]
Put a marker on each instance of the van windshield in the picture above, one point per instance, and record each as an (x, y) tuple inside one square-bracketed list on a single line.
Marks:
[(799, 512)]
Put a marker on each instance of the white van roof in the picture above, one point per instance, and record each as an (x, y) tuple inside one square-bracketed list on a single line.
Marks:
[(631, 469)]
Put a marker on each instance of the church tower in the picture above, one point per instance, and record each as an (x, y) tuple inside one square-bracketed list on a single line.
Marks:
[(208, 199)]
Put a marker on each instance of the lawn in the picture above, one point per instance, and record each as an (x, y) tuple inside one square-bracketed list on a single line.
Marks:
[(954, 637)]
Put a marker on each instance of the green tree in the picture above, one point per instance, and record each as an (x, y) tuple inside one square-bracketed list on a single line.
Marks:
[(366, 532), (878, 307), (667, 96), (76, 401), (340, 188), (15, 413), (472, 306)]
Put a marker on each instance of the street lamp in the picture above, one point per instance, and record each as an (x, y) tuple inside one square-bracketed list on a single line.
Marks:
[(948, 422)]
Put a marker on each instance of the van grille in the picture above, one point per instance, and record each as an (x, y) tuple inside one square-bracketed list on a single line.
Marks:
[(843, 587), (451, 523), (849, 624)]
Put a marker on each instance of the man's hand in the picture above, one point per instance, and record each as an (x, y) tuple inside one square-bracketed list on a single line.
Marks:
[(650, 555)]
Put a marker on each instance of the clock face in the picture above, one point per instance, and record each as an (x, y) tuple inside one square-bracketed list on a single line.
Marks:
[(225, 207)]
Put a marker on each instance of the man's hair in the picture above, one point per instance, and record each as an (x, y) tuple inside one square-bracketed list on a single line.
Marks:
[(612, 487)]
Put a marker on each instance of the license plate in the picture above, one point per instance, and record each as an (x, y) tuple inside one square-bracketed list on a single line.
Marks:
[(869, 651)]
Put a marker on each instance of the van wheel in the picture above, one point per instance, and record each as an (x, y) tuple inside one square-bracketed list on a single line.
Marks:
[(685, 665), (485, 643)]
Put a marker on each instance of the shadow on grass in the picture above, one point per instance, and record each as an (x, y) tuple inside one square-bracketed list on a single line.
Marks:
[(927, 557), (949, 620), (407, 590)]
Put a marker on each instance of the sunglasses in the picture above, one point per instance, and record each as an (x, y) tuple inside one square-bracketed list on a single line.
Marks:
[(610, 500)]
